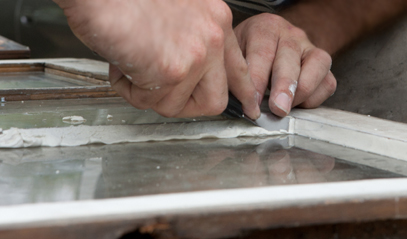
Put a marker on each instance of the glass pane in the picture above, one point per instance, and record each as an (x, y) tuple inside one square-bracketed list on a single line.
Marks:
[(111, 171), (34, 80), (49, 113)]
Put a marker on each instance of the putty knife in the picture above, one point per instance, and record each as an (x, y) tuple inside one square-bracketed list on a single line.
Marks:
[(267, 119)]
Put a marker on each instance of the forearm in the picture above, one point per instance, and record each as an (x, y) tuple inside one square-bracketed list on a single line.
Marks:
[(334, 24)]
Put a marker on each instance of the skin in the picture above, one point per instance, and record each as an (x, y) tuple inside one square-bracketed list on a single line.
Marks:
[(180, 57), (334, 25), (300, 71)]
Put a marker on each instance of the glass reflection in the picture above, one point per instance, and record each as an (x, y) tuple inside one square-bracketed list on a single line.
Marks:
[(35, 80), (66, 174)]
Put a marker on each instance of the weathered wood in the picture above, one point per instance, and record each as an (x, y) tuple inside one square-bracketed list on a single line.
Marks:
[(13, 50), (394, 229), (84, 70), (21, 68), (74, 76), (235, 223), (58, 93), (83, 67)]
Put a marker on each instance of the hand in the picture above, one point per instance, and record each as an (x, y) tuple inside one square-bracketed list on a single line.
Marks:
[(300, 72), (176, 57)]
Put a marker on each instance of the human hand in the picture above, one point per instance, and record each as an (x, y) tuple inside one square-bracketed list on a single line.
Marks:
[(300, 72), (179, 58)]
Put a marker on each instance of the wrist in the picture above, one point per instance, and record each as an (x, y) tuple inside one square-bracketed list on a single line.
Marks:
[(318, 23), (335, 24)]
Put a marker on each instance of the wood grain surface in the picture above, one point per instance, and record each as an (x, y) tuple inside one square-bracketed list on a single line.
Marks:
[(90, 71), (13, 50)]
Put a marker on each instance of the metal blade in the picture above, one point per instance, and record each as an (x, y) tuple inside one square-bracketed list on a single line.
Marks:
[(267, 120), (249, 120), (271, 122)]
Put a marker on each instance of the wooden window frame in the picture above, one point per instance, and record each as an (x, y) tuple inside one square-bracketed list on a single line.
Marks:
[(226, 213)]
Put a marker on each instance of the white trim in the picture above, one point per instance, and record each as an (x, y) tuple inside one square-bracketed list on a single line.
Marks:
[(145, 207), (351, 130)]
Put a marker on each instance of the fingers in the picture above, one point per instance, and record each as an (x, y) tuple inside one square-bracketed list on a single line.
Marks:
[(260, 53), (286, 71), (299, 70), (239, 81), (193, 85), (325, 90), (315, 68), (208, 97), (308, 84), (204, 91), (125, 86), (188, 99)]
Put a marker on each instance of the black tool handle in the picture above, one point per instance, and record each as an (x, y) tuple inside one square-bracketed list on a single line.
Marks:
[(234, 108)]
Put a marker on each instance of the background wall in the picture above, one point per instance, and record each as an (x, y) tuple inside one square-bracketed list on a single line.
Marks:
[(372, 77)]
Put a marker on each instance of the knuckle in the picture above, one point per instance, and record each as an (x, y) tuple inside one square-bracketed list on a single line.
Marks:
[(264, 30), (297, 32), (271, 17), (224, 13), (266, 53), (291, 44), (174, 72), (331, 85), (216, 36), (199, 53), (213, 107), (323, 56), (241, 69), (219, 107)]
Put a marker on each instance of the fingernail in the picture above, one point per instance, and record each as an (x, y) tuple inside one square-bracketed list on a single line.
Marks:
[(283, 102), (252, 113), (258, 98), (257, 108), (258, 112)]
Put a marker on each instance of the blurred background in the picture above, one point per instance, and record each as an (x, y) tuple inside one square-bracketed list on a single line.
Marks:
[(41, 25)]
